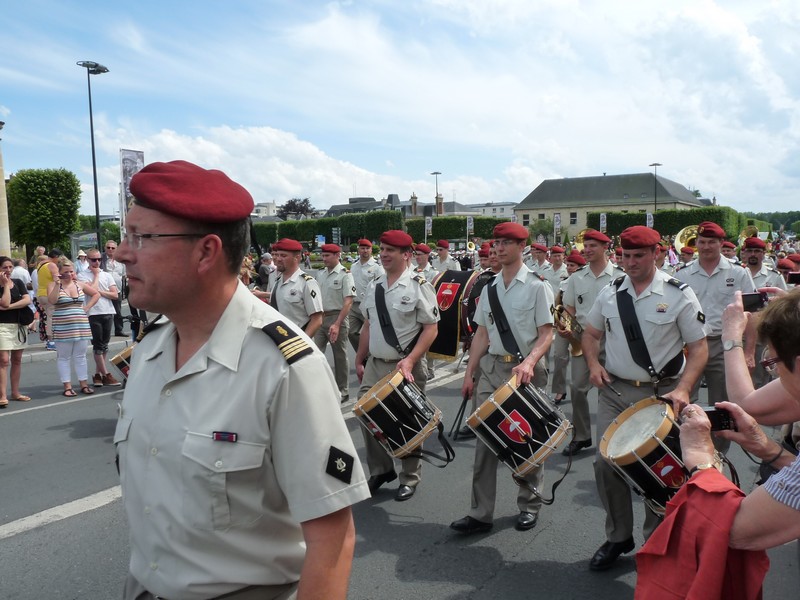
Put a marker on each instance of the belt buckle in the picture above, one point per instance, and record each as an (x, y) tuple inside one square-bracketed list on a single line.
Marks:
[(507, 358)]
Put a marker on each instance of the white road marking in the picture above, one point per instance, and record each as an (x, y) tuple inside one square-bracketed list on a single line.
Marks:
[(57, 404), (58, 513)]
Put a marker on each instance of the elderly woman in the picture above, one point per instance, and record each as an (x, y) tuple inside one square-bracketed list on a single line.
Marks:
[(71, 325)]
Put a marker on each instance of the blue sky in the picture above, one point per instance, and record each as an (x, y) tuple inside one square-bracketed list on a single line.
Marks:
[(330, 99)]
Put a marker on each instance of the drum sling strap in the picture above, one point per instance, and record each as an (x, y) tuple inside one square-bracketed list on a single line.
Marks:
[(391, 338), (500, 320), (636, 341)]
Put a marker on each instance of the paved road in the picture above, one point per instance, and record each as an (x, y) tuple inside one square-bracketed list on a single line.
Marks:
[(56, 459)]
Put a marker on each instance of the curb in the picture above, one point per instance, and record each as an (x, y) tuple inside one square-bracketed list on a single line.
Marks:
[(37, 353)]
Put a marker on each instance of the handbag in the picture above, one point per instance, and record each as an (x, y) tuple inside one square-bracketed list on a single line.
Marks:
[(24, 314)]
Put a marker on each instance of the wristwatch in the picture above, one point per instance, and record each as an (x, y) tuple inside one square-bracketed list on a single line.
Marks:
[(700, 467), (731, 344)]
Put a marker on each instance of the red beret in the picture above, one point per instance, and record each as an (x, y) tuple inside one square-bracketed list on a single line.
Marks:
[(593, 234), (423, 248), (710, 230), (184, 190), (575, 257), (330, 248), (483, 253), (794, 257), (618, 251), (397, 238), (443, 244), (754, 242), (687, 250), (510, 231), (785, 263), (288, 245), (727, 244), (364, 242), (556, 250), (639, 236), (539, 247)]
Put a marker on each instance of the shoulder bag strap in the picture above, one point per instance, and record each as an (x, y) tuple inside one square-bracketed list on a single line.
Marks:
[(500, 320)]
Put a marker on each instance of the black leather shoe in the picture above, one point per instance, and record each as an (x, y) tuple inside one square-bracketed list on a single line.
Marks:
[(608, 553), (559, 398), (466, 433), (404, 492), (526, 521), (575, 446), (468, 525), (377, 481)]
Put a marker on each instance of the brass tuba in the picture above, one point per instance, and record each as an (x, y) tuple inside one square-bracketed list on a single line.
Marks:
[(578, 244), (749, 231), (471, 246), (571, 325), (686, 237)]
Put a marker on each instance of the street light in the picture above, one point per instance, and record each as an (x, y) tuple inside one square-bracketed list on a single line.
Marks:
[(93, 68), (655, 185), (436, 180), (436, 199)]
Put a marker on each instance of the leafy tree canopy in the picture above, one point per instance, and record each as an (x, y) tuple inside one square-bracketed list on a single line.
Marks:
[(295, 208)]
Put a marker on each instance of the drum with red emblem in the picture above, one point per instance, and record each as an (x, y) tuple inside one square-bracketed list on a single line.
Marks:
[(520, 425)]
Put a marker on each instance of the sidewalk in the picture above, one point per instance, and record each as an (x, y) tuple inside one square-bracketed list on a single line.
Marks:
[(36, 352)]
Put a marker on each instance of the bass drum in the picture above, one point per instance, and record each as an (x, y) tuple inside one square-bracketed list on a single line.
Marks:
[(452, 288)]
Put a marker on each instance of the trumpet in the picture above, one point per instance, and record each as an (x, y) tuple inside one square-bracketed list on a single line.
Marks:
[(569, 323)]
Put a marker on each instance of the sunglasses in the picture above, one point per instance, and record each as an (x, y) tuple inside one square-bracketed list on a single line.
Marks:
[(770, 364), (95, 259)]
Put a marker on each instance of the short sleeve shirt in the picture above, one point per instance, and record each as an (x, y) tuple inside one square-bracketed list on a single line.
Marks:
[(784, 486), (363, 274), (526, 303), (105, 282), (668, 316), (336, 285), (209, 515), (583, 287), (716, 291), (410, 302), (555, 277), (298, 297), (449, 264), (768, 277)]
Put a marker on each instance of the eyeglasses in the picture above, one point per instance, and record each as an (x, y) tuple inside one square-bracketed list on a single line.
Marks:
[(134, 240), (94, 259), (770, 364)]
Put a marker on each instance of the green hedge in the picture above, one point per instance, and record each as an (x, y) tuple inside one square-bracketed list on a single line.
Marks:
[(670, 222), (452, 227)]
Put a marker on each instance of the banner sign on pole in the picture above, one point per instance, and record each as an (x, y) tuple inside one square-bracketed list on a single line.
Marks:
[(603, 222)]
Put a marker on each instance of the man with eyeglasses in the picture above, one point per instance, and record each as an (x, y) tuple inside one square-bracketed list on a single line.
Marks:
[(296, 293), (443, 261), (101, 316), (117, 270), (422, 254), (237, 468)]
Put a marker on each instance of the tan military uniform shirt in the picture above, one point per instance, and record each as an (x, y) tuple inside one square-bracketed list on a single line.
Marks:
[(541, 269), (555, 277), (583, 287), (363, 274), (298, 297), (411, 303), (669, 318), (768, 277), (449, 264), (210, 516), (428, 272), (526, 303), (336, 285), (716, 291)]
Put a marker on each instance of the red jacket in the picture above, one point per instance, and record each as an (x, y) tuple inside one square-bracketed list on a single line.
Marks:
[(688, 555)]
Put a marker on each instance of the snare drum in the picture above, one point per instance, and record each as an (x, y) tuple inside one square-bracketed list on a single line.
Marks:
[(520, 425), (642, 444), (122, 362), (397, 414)]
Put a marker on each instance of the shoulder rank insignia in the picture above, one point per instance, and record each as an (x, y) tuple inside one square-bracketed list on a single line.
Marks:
[(677, 283), (292, 346), (618, 281), (307, 277), (419, 279)]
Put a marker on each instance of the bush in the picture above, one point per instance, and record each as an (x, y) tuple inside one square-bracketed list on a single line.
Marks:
[(670, 222)]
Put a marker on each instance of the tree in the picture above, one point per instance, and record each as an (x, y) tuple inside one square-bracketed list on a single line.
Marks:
[(43, 207), (296, 208), (542, 227), (109, 230)]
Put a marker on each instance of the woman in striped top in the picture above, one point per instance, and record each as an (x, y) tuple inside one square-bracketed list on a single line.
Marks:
[(71, 330)]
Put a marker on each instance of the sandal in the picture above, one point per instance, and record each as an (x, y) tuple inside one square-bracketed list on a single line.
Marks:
[(87, 390), (69, 393), (21, 398), (3, 403)]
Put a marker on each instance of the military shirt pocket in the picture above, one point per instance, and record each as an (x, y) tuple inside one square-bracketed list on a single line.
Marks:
[(336, 284), (220, 481), (660, 318)]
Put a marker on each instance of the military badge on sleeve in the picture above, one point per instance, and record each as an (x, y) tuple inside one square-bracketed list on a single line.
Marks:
[(340, 465)]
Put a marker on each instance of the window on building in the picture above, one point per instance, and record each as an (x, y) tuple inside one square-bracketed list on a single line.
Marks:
[(625, 196), (494, 210), (541, 216), (644, 195), (526, 219), (573, 218), (502, 209)]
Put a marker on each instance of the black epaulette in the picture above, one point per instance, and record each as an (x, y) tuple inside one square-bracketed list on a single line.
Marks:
[(151, 326), (291, 344), (677, 283), (307, 277), (616, 266), (618, 281), (540, 277), (581, 268), (771, 269), (419, 279)]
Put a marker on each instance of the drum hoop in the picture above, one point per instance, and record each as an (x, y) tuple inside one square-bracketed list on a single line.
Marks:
[(123, 354), (650, 444), (379, 391)]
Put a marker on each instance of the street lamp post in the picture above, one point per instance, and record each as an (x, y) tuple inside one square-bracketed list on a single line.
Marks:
[(655, 186), (436, 200), (93, 68)]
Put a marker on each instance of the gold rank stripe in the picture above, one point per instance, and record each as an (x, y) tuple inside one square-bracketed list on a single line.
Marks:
[(291, 347)]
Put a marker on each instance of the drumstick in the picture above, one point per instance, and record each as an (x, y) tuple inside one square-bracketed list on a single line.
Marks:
[(611, 387)]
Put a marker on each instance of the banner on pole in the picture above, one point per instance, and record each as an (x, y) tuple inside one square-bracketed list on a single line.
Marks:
[(130, 163)]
